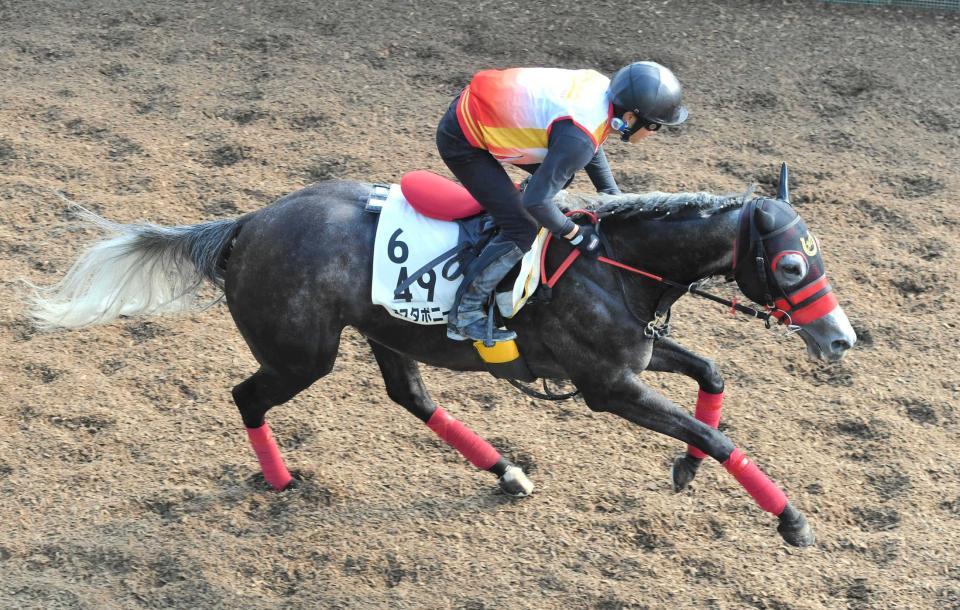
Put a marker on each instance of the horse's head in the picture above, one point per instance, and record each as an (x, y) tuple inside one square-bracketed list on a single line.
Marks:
[(777, 263)]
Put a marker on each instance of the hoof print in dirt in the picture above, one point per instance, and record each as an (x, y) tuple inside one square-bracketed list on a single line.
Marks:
[(952, 506), (41, 372), (243, 116), (864, 334), (885, 216), (919, 410), (890, 483), (760, 100), (873, 430), (334, 169), (644, 536), (7, 153), (114, 70), (914, 187), (913, 286), (929, 249), (309, 121), (268, 43), (880, 519), (221, 207), (850, 82), (145, 331), (229, 154)]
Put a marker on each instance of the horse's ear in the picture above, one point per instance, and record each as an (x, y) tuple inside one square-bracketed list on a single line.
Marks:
[(766, 221), (783, 189)]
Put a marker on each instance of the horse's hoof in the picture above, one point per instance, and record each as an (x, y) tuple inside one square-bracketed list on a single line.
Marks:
[(794, 528), (515, 482), (296, 480), (683, 470)]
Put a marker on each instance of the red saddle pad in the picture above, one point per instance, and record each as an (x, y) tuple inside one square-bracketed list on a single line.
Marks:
[(438, 197)]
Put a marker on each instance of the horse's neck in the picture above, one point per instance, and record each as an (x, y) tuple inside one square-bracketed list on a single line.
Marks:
[(680, 250)]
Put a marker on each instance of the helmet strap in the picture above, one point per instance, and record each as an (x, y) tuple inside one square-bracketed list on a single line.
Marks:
[(627, 132)]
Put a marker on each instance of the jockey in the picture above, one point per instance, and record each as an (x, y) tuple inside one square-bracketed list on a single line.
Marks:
[(551, 123)]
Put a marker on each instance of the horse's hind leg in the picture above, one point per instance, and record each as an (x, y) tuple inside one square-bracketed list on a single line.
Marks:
[(405, 387), (286, 369), (669, 357), (255, 396)]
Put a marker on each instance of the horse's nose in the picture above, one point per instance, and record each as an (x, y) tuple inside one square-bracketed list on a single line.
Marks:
[(840, 345)]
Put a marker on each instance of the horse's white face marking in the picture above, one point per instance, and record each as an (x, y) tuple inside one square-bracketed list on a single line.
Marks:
[(790, 270), (828, 338)]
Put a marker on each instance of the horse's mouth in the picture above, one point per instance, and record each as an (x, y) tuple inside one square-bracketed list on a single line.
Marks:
[(834, 352)]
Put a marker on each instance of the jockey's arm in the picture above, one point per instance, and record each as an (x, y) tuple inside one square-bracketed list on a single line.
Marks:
[(600, 175), (569, 150)]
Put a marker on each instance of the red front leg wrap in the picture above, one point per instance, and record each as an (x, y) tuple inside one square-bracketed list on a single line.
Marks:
[(268, 454), (767, 495), (709, 407), (480, 453)]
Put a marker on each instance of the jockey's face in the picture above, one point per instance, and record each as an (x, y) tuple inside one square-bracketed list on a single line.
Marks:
[(629, 118)]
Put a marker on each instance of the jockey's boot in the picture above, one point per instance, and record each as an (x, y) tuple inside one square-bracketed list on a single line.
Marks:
[(470, 320)]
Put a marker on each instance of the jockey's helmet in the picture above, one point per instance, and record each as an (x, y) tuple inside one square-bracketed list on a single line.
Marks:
[(650, 91)]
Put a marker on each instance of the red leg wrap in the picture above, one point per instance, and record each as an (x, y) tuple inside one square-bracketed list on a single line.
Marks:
[(480, 453), (770, 497), (268, 454), (709, 407)]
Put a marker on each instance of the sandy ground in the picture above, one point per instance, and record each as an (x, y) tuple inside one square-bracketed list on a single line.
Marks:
[(125, 477)]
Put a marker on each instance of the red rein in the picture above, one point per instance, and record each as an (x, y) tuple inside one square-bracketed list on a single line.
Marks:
[(782, 310)]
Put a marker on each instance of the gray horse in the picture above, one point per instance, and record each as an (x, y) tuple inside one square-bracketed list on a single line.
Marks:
[(298, 271)]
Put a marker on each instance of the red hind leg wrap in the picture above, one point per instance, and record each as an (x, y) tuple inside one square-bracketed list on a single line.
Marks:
[(268, 454), (767, 495), (709, 407), (479, 452)]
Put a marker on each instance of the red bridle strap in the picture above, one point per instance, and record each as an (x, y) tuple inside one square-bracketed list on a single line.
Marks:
[(551, 281)]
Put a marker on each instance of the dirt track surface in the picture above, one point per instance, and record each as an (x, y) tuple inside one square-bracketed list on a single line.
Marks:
[(125, 476)]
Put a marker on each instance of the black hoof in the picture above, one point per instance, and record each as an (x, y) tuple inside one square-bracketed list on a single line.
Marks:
[(684, 469), (794, 528), (294, 483)]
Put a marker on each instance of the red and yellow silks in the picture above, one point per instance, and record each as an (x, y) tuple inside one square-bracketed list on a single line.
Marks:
[(510, 112)]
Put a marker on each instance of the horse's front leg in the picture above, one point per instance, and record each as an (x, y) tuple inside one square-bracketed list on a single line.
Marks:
[(623, 394), (670, 357)]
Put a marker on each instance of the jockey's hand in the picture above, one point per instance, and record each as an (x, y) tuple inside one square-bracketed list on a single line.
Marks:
[(587, 240)]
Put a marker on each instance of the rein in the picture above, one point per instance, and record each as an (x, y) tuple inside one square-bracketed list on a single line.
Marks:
[(694, 288), (654, 329)]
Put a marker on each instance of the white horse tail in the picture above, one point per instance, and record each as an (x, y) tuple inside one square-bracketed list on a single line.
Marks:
[(139, 269)]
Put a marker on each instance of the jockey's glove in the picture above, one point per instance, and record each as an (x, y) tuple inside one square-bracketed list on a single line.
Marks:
[(587, 240)]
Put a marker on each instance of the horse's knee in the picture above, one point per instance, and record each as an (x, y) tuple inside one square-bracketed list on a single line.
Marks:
[(709, 377), (715, 444), (258, 394), (245, 397)]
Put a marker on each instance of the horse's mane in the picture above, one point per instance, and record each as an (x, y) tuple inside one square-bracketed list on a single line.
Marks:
[(654, 205)]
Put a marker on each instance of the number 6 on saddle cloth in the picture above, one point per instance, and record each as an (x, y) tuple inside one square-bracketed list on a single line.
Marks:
[(429, 234)]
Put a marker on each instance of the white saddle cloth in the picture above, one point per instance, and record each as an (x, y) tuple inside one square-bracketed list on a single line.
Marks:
[(407, 240)]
